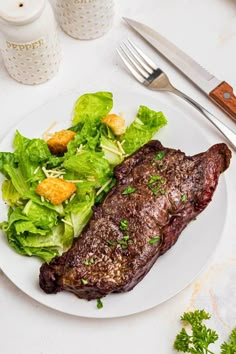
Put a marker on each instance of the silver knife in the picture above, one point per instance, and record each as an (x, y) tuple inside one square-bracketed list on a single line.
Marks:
[(219, 91)]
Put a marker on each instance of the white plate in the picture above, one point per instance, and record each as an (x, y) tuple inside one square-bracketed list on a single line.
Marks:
[(174, 270)]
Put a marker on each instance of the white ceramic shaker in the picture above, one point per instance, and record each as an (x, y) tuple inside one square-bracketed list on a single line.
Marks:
[(85, 19), (28, 40)]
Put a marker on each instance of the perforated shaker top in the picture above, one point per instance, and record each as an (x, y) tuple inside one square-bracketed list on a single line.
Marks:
[(21, 11)]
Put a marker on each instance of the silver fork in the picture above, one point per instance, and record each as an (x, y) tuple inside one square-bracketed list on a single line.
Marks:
[(150, 75)]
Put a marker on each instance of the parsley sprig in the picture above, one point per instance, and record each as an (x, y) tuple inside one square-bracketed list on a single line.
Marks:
[(230, 347), (199, 338)]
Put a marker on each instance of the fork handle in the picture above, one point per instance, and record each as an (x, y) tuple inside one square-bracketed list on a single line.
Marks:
[(226, 131)]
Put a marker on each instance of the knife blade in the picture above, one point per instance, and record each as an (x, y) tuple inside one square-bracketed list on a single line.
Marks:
[(219, 91)]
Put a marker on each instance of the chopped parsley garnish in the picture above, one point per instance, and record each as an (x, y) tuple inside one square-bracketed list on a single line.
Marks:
[(124, 225), (84, 281), (126, 237), (124, 241), (99, 304), (160, 155), (153, 179), (88, 262), (123, 244), (129, 190), (154, 240), (155, 190), (183, 198)]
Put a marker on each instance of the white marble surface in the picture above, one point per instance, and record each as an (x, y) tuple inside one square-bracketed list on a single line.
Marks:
[(207, 31)]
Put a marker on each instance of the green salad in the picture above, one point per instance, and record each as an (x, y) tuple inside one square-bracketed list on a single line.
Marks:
[(35, 225)]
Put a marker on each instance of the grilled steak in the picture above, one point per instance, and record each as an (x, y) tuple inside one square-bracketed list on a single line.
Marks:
[(158, 192)]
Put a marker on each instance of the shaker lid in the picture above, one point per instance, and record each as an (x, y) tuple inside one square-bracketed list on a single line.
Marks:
[(20, 11)]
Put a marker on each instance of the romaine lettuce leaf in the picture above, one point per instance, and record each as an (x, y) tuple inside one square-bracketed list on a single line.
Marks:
[(91, 166), (54, 161), (28, 227), (37, 149), (41, 216), (92, 106), (111, 151), (43, 246), (88, 137), (9, 193), (85, 188), (17, 243), (29, 154), (31, 195), (6, 159), (17, 178), (14, 215), (32, 218), (80, 211), (147, 123), (28, 237)]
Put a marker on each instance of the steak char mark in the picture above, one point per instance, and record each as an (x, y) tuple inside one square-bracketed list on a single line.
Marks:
[(158, 192)]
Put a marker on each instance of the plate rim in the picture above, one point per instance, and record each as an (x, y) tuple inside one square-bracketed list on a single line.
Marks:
[(11, 132)]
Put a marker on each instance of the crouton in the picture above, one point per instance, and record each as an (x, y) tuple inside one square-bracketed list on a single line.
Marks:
[(56, 190), (59, 141), (116, 123)]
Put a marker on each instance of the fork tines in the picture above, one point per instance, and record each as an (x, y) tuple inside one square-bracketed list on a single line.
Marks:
[(139, 64)]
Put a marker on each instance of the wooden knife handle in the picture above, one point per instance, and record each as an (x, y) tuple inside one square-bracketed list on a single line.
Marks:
[(224, 96)]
